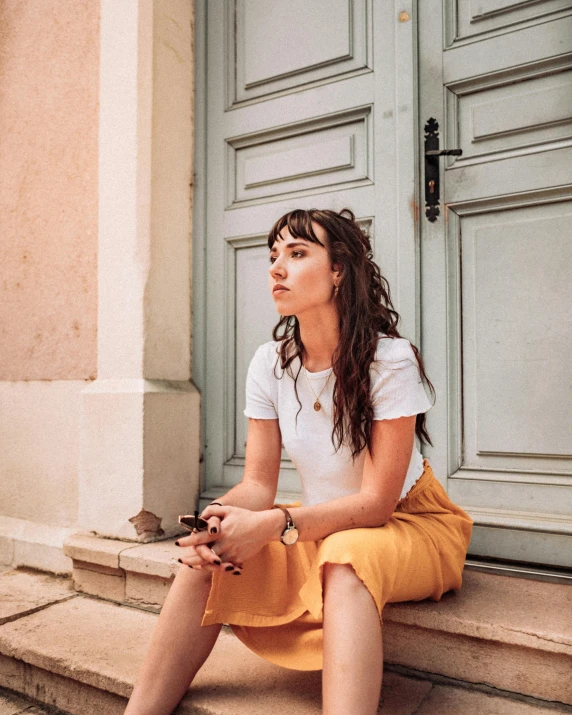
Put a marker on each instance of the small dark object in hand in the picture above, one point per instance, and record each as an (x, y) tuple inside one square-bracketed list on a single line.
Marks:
[(193, 523)]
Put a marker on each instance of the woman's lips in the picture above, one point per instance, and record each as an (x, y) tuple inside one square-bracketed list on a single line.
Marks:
[(278, 291)]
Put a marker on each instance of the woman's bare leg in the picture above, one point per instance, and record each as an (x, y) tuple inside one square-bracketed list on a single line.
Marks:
[(353, 649), (179, 646)]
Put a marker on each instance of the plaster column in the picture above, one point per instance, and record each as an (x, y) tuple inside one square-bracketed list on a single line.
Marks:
[(140, 445)]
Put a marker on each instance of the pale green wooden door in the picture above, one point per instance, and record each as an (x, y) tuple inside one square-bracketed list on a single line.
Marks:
[(496, 273), (299, 104)]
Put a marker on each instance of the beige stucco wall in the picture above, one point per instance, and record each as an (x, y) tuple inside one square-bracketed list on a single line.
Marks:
[(49, 89), (95, 210), (49, 65), (39, 450)]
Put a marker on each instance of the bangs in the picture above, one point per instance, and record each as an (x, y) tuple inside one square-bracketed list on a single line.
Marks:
[(299, 225)]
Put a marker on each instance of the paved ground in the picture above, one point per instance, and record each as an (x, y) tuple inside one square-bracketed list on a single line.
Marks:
[(11, 704), (431, 699), (406, 695)]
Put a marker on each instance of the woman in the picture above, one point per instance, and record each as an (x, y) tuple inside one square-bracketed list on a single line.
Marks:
[(344, 393)]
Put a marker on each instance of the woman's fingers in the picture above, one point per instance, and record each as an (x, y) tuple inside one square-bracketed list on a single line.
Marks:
[(203, 558), (225, 567), (207, 554), (197, 537), (211, 533), (216, 510), (199, 555), (197, 562), (214, 525), (190, 557)]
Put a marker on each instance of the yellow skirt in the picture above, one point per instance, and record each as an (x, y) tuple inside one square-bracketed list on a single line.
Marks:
[(275, 609)]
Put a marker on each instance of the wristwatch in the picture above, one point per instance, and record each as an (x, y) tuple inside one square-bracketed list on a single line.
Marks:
[(290, 534)]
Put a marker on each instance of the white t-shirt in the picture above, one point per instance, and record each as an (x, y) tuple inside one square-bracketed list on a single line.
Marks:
[(396, 389)]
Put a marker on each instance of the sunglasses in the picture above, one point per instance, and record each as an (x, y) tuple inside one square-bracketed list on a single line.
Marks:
[(193, 523)]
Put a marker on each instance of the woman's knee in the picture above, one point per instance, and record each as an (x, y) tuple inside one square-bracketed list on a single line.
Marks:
[(344, 545), (342, 574), (342, 584), (193, 578)]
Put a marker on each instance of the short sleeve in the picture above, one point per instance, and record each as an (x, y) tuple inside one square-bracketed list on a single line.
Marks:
[(259, 401), (397, 389)]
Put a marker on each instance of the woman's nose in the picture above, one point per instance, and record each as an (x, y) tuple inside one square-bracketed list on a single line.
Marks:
[(276, 268)]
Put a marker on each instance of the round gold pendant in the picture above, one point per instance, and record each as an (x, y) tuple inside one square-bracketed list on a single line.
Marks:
[(317, 406)]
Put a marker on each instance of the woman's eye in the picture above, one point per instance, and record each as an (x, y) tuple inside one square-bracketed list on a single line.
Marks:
[(294, 253)]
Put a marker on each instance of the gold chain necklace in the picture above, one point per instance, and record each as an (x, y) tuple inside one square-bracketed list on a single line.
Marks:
[(317, 405)]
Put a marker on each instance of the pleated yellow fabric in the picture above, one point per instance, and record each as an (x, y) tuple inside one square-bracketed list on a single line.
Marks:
[(275, 609)]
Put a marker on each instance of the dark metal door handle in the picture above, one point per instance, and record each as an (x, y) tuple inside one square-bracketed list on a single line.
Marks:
[(432, 154), (444, 152)]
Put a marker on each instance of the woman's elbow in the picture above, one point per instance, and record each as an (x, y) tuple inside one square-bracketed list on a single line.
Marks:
[(380, 512)]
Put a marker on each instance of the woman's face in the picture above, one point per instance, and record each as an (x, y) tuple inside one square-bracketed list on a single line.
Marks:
[(303, 267)]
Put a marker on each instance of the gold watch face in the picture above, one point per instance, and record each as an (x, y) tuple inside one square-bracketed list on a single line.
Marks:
[(290, 536)]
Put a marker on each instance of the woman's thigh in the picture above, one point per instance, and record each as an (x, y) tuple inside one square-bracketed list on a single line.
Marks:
[(399, 561)]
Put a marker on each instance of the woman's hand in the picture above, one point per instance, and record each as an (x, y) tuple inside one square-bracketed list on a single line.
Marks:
[(199, 554), (240, 534)]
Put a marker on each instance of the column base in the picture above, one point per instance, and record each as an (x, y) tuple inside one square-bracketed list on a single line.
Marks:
[(140, 453)]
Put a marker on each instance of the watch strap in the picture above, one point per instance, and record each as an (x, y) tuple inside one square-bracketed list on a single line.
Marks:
[(289, 520)]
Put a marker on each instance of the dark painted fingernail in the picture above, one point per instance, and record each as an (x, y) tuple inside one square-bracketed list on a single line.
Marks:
[(237, 573), (189, 565), (217, 562), (179, 560), (177, 543), (229, 568), (214, 530)]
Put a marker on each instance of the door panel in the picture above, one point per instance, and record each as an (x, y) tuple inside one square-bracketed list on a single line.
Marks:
[(473, 18), (496, 283), (517, 357), (528, 115), (286, 44), (326, 152)]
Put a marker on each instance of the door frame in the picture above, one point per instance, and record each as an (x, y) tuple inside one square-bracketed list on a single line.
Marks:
[(397, 204)]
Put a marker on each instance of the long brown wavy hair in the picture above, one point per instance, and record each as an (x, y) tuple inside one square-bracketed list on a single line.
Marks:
[(364, 308)]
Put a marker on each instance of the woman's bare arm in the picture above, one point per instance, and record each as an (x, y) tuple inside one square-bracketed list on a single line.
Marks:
[(244, 532), (257, 489), (383, 477)]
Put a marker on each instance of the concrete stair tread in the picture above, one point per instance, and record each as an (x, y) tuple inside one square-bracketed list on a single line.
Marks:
[(498, 608), (488, 606), (26, 591), (514, 634), (93, 647), (102, 645)]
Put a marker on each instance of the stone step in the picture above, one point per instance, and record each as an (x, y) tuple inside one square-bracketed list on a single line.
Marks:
[(123, 571), (510, 633), (496, 629), (81, 655)]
